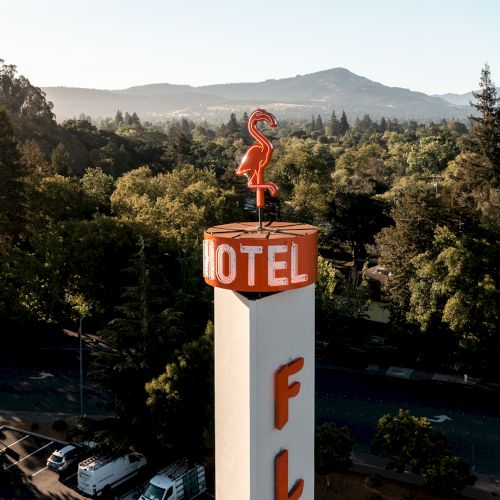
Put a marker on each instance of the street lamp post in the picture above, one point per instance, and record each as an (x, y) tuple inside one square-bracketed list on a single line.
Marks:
[(80, 333)]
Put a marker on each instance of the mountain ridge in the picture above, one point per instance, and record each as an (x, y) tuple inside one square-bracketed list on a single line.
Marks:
[(460, 99), (293, 97)]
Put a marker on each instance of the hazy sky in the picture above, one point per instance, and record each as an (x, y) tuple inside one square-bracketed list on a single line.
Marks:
[(434, 46)]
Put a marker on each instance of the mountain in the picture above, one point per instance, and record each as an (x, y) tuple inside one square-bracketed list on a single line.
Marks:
[(460, 99), (296, 97)]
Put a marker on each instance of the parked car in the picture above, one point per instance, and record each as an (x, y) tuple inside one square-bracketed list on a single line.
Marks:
[(61, 459)]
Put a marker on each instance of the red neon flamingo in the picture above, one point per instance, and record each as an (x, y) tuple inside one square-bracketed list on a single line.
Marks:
[(258, 157)]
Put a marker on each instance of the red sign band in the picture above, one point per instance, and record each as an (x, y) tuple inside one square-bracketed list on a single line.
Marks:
[(280, 256)]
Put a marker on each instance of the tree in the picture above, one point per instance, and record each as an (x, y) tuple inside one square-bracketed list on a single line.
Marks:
[(25, 104), (355, 215), (83, 258), (180, 148), (181, 398), (486, 127), (61, 162), (356, 218), (301, 167), (134, 119), (468, 173), (409, 441), (178, 205), (332, 450), (344, 124), (13, 187), (428, 156), (233, 127), (34, 159), (58, 198), (247, 139), (319, 125), (448, 476), (366, 124), (416, 213), (99, 187), (455, 283), (113, 158), (334, 125), (383, 125), (118, 118), (141, 339), (327, 285), (313, 124)]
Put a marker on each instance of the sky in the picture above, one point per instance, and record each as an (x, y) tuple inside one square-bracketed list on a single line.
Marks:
[(433, 46)]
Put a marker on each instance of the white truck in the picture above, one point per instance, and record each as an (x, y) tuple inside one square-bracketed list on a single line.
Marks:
[(178, 481), (99, 475)]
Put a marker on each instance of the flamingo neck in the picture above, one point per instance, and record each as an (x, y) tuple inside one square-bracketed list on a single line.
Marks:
[(258, 135)]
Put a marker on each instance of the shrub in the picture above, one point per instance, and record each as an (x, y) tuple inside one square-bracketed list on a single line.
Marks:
[(60, 425), (374, 481)]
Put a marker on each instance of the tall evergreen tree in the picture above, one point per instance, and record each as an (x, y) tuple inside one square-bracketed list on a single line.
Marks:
[(244, 128), (344, 124), (366, 124), (313, 124), (383, 125), (334, 125), (142, 338), (13, 188), (174, 131), (486, 127), (185, 126), (233, 127), (319, 125), (134, 119), (118, 118)]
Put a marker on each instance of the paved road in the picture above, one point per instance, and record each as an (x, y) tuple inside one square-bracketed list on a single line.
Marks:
[(358, 401), (32, 390)]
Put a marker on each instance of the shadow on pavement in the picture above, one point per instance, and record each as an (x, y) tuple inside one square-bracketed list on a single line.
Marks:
[(14, 484)]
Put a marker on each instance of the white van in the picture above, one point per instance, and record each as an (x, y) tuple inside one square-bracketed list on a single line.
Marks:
[(178, 481), (98, 475)]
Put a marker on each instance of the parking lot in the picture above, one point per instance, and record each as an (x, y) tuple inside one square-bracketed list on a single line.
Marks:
[(24, 474), (23, 471)]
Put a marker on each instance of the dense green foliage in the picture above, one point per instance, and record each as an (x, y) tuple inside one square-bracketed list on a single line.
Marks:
[(111, 214), (332, 450), (410, 443)]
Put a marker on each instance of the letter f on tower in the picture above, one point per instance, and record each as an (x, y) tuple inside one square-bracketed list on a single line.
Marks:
[(283, 391)]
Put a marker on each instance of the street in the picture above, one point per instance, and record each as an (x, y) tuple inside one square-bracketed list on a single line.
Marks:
[(358, 401)]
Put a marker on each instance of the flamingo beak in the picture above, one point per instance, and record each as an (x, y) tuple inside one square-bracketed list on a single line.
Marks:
[(272, 120)]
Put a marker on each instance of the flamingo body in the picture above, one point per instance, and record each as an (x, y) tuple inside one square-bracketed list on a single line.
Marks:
[(258, 157)]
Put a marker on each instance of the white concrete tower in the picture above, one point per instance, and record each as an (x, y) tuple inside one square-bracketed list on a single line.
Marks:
[(264, 358)]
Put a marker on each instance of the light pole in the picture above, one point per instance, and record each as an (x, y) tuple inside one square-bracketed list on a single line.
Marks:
[(80, 333)]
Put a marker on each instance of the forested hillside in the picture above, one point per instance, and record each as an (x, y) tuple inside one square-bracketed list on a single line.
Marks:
[(111, 215)]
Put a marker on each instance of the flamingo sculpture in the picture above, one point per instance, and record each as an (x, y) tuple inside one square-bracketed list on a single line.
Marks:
[(258, 157)]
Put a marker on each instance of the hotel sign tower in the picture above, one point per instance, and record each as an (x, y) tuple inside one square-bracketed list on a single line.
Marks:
[(264, 275)]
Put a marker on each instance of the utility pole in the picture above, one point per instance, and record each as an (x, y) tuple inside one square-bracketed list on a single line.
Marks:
[(80, 334)]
